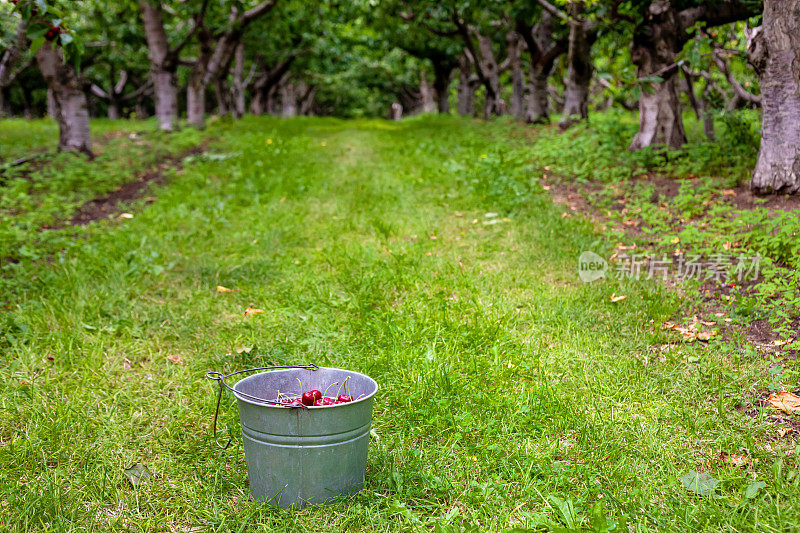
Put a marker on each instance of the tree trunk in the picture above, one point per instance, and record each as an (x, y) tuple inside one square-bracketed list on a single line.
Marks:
[(513, 45), (71, 110), (163, 69), (238, 88), (288, 100), (707, 110), (491, 102), (656, 42), (442, 72), (113, 109), (307, 101), (466, 88), (778, 165), (579, 69), (223, 96), (426, 92), (196, 102), (140, 108), (538, 111), (258, 103), (543, 51)]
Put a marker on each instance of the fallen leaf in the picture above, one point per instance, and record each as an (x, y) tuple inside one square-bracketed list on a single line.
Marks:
[(137, 474), (675, 240), (784, 431), (546, 187), (752, 489), (702, 484), (785, 401), (175, 358), (735, 459), (220, 288), (706, 335), (781, 342), (125, 215), (458, 214), (252, 311), (729, 192), (490, 215), (565, 215), (615, 298)]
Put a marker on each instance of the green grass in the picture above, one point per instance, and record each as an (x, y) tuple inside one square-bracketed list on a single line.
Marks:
[(512, 394)]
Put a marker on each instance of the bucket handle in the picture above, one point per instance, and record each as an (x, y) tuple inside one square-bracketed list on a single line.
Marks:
[(220, 378)]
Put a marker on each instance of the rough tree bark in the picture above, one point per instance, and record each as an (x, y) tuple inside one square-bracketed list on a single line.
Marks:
[(70, 108), (467, 84), (163, 65), (485, 66), (582, 35), (778, 165), (492, 104), (544, 48), (657, 40), (513, 46)]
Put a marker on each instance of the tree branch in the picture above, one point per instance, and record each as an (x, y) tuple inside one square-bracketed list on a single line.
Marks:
[(740, 91), (251, 14)]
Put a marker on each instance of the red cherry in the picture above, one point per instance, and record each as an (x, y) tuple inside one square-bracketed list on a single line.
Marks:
[(296, 401), (328, 401), (318, 403), (308, 397), (344, 398)]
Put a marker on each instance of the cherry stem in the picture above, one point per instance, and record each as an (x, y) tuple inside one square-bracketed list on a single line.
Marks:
[(301, 385), (329, 386)]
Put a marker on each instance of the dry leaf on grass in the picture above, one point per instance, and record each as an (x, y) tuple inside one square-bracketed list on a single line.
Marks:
[(785, 401), (126, 215), (175, 358), (784, 431), (615, 298), (690, 333), (252, 311), (735, 459), (220, 288)]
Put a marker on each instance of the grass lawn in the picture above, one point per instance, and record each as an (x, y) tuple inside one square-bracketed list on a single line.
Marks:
[(423, 253)]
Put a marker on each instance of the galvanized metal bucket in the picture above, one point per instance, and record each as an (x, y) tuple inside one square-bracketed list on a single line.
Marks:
[(298, 455)]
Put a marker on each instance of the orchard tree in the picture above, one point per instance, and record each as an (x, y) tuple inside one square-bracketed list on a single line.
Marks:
[(165, 57), (662, 28), (58, 53), (775, 54)]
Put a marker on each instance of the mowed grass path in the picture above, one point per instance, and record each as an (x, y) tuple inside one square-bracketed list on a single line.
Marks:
[(423, 253)]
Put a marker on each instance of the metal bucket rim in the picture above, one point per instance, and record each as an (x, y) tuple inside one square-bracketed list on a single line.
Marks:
[(263, 404)]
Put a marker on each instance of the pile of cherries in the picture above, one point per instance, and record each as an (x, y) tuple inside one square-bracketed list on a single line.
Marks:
[(315, 398)]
